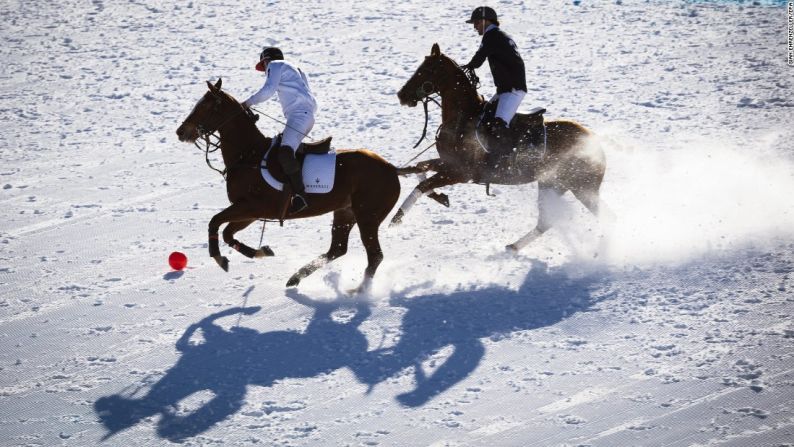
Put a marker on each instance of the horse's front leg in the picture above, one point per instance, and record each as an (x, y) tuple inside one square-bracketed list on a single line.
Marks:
[(245, 250), (440, 179), (237, 212), (422, 166), (549, 204)]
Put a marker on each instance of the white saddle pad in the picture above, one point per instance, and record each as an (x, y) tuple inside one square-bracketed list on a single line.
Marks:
[(318, 173)]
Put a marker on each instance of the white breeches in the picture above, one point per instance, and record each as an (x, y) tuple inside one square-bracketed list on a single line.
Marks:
[(299, 124), (508, 104)]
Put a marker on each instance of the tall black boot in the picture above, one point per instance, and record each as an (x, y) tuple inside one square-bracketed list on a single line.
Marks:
[(499, 144), (286, 156)]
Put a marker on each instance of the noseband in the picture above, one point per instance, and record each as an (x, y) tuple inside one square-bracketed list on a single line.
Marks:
[(426, 89)]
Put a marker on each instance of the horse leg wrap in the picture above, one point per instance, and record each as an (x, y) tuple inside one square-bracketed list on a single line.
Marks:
[(215, 250), (524, 241), (245, 250), (407, 205), (410, 201)]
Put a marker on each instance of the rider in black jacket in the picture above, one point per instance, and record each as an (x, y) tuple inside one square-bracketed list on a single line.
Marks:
[(507, 68)]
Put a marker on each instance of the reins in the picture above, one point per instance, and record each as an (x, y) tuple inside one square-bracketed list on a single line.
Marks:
[(428, 92), (425, 101), (212, 146), (215, 145), (283, 123)]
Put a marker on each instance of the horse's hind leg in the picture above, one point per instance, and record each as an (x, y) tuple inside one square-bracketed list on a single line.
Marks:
[(369, 237), (549, 201), (228, 236), (344, 220), (371, 208), (591, 199)]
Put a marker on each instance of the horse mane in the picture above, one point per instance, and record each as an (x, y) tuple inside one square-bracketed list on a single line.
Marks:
[(257, 133), (459, 73)]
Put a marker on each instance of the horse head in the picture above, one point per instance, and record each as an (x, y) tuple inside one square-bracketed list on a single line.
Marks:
[(436, 74), (213, 110)]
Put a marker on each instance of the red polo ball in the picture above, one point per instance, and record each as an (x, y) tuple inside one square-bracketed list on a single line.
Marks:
[(177, 260)]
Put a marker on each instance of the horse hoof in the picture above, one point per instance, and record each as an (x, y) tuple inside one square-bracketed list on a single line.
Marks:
[(511, 248), (397, 219), (263, 252), (363, 289), (294, 281), (440, 197), (223, 262)]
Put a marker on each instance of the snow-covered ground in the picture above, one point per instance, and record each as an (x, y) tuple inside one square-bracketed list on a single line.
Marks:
[(679, 333)]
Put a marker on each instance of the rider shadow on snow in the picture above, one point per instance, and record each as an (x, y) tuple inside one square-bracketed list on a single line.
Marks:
[(227, 361), (461, 320)]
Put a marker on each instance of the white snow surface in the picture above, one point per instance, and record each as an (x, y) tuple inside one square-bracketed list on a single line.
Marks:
[(678, 333)]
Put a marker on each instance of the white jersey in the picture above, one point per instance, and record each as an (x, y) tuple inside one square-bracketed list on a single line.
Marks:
[(291, 85)]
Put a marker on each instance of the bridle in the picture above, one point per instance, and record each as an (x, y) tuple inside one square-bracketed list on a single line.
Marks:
[(425, 92), (207, 136)]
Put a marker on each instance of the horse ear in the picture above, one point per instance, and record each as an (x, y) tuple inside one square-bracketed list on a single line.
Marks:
[(214, 88), (435, 51)]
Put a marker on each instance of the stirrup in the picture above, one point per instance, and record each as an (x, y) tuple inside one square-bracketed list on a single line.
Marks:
[(298, 204)]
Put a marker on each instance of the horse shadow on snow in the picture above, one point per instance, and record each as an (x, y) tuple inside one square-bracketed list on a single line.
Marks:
[(229, 360)]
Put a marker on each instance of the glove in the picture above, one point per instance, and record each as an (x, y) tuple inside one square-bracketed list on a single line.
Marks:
[(254, 117)]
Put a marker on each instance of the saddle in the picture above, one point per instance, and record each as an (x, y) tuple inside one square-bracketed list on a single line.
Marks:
[(316, 160), (527, 130), (527, 134), (319, 147), (312, 148)]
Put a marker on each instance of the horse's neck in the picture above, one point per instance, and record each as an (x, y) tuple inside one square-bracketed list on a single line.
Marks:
[(459, 102), (241, 141)]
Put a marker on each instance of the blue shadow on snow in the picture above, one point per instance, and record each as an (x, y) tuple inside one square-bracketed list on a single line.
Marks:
[(228, 361)]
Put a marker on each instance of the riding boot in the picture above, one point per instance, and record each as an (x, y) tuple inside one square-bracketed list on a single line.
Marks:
[(286, 156), (499, 147)]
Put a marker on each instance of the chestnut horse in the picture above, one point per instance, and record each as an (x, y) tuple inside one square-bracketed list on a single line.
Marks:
[(569, 163), (365, 189)]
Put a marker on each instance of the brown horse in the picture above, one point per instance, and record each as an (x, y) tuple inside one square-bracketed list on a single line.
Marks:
[(366, 187), (570, 163)]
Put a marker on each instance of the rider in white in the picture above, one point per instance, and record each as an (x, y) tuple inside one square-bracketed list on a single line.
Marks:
[(298, 105)]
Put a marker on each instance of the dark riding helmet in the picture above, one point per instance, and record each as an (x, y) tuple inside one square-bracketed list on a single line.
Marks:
[(269, 54), (483, 13)]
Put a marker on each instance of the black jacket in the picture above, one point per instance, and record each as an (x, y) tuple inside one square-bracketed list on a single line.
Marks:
[(507, 67)]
